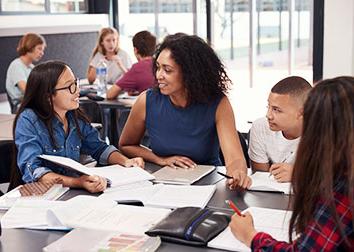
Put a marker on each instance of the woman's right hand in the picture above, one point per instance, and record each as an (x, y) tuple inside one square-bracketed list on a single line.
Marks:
[(93, 183), (178, 162)]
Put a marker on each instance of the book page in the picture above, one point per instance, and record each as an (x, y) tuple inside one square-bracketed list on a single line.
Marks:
[(272, 221), (166, 196), (174, 196), (264, 181), (182, 176), (131, 219), (28, 213), (117, 174)]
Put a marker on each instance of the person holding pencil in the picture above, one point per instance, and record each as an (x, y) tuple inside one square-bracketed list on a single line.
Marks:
[(274, 138), (323, 179)]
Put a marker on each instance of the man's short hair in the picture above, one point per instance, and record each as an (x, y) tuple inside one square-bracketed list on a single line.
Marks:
[(294, 86), (28, 42), (145, 43)]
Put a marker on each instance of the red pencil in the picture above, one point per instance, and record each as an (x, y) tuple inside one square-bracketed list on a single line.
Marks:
[(234, 207)]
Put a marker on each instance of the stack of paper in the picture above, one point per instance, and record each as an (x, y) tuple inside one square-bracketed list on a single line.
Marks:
[(118, 175), (272, 221), (166, 196), (53, 193), (264, 181), (82, 211), (182, 176)]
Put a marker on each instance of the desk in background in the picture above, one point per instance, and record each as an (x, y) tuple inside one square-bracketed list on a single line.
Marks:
[(6, 123), (33, 240)]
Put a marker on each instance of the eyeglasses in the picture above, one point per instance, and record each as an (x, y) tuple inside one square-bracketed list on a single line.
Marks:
[(72, 87)]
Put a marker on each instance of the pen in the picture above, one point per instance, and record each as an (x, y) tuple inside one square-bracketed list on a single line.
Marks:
[(234, 207), (225, 175)]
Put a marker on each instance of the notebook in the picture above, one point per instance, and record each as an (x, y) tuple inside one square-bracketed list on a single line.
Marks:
[(116, 174), (32, 191), (264, 181), (83, 240), (182, 176), (272, 221), (165, 196)]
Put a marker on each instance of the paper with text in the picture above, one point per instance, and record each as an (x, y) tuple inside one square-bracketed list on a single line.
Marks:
[(272, 221), (264, 181)]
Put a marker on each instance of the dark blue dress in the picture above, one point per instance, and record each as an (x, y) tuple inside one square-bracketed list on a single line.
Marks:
[(189, 131)]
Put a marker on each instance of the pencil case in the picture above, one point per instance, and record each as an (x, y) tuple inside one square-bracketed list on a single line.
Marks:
[(191, 226)]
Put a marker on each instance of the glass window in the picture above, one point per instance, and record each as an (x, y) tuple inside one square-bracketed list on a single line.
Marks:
[(23, 5), (64, 6)]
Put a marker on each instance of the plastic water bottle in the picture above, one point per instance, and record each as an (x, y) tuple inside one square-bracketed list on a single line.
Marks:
[(101, 75)]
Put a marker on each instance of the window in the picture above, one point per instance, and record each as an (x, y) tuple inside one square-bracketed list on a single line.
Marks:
[(45, 6)]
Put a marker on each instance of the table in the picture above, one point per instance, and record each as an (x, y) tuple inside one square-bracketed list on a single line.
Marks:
[(6, 123), (115, 108), (34, 240)]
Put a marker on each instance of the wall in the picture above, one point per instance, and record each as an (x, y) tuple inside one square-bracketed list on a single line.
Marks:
[(70, 38), (338, 47)]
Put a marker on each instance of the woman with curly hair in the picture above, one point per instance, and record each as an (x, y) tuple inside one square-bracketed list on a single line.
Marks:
[(187, 115)]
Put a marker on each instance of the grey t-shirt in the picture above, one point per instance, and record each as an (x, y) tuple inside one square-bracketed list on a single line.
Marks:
[(267, 146), (16, 72)]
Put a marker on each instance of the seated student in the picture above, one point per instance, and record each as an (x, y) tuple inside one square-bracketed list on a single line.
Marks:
[(107, 49), (187, 114), (323, 178), (274, 139), (140, 76), (30, 49), (52, 123)]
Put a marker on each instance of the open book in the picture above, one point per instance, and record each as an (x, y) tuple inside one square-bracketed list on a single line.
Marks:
[(166, 196), (182, 176), (264, 181), (116, 174), (32, 191), (82, 211), (83, 240), (272, 221)]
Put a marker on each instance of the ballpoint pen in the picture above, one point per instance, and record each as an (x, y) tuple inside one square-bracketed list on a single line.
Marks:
[(224, 175)]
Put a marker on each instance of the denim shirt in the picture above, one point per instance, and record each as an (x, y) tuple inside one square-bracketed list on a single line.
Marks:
[(32, 139)]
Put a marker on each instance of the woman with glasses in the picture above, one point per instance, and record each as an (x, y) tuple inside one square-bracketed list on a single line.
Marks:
[(49, 121)]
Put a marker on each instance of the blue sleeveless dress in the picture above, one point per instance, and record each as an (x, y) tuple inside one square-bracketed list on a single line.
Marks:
[(189, 131)]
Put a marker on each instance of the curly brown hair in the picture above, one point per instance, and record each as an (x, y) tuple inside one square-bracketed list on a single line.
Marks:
[(204, 75)]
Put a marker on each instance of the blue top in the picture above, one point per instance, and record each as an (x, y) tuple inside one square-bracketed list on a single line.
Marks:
[(32, 139), (189, 131)]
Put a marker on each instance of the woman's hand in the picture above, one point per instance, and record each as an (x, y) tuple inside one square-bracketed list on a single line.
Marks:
[(242, 228), (178, 162), (138, 161), (93, 183), (239, 180)]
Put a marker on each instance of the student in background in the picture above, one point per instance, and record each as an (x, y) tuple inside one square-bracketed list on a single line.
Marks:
[(140, 76), (30, 49), (274, 139), (52, 123), (187, 115), (107, 49), (323, 179)]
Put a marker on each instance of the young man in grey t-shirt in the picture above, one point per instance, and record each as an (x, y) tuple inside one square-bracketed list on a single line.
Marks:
[(274, 139)]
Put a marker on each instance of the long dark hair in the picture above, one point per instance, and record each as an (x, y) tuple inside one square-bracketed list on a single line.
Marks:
[(38, 95), (325, 156), (204, 75)]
